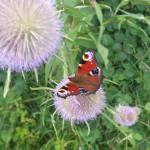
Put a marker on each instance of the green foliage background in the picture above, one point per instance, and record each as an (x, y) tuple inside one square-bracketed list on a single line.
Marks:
[(120, 32)]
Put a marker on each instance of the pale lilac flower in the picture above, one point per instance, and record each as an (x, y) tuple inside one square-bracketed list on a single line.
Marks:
[(30, 32), (126, 115), (79, 108)]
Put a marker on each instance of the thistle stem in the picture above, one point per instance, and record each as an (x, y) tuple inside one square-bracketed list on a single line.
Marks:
[(7, 83)]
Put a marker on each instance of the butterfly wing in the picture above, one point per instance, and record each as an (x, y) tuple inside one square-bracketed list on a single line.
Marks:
[(87, 63), (89, 83), (95, 80), (87, 79), (88, 76), (68, 89)]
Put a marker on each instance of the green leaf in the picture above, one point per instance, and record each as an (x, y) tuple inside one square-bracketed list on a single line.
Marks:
[(20, 87), (7, 83), (120, 128), (117, 47), (86, 42), (47, 71), (147, 20), (107, 40), (42, 88), (104, 53), (93, 136), (137, 27), (86, 9), (13, 117), (141, 8), (5, 136), (121, 56), (101, 49), (123, 3), (138, 136), (70, 3), (98, 12), (127, 98), (147, 106), (119, 37), (72, 33), (142, 2), (100, 18), (147, 80), (75, 12), (135, 16)]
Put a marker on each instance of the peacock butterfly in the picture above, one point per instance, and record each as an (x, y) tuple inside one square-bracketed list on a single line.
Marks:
[(87, 79)]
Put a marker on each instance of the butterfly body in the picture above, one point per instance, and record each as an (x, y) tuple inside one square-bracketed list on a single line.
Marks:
[(87, 79)]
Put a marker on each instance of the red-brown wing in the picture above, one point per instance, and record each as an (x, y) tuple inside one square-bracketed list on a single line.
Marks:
[(89, 82), (87, 63), (94, 82), (88, 76), (87, 79), (68, 89)]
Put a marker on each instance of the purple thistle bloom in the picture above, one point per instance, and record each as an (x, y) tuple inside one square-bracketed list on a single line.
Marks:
[(126, 115), (79, 108), (30, 31)]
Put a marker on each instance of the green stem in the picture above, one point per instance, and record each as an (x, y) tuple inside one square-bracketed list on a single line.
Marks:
[(7, 83), (36, 75), (119, 128)]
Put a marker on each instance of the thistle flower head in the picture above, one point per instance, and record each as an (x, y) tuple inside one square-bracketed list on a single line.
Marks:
[(126, 115), (79, 108), (30, 31)]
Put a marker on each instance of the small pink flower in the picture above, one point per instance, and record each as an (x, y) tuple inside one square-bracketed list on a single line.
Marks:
[(79, 108), (127, 115)]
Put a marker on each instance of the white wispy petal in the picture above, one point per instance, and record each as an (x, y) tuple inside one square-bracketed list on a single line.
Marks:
[(79, 108), (30, 31)]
